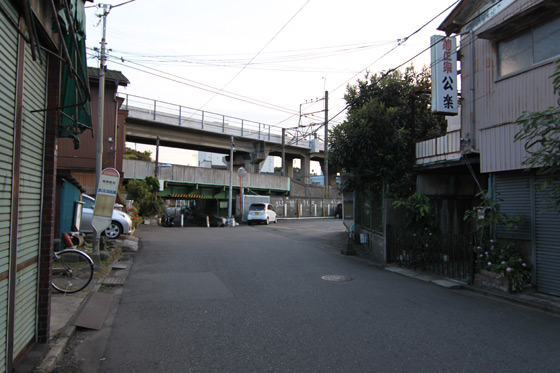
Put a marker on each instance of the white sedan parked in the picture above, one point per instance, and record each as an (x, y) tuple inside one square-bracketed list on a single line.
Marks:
[(120, 221)]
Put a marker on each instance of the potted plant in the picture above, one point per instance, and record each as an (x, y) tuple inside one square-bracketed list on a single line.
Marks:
[(498, 264)]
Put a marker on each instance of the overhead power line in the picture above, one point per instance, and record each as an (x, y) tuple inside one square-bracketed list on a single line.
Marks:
[(121, 4), (204, 87), (424, 50), (110, 6), (236, 60), (256, 55), (399, 43), (271, 59), (197, 85)]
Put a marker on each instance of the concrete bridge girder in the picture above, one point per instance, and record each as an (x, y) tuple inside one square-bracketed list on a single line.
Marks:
[(249, 153), (251, 161), (305, 166)]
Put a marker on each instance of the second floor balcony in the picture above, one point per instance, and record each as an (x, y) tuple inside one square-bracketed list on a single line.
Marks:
[(440, 149)]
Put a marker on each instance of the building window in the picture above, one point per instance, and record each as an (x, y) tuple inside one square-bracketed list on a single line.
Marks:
[(529, 47)]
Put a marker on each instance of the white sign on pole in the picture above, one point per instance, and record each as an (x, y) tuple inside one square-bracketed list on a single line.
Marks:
[(444, 75), (105, 199)]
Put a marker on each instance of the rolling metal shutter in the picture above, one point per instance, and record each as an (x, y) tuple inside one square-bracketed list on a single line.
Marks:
[(8, 58), (520, 193), (513, 193), (547, 225), (30, 193)]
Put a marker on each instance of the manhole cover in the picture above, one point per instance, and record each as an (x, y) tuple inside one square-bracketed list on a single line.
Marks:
[(338, 278)]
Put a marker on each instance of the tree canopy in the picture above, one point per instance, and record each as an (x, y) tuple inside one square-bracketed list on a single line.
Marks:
[(144, 195), (139, 156), (374, 146)]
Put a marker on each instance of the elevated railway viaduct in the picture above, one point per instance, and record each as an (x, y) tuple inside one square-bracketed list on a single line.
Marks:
[(173, 126)]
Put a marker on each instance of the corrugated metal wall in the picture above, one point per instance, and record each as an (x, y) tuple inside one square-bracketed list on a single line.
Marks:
[(521, 193), (8, 57), (499, 102), (29, 220), (547, 222), (513, 193), (68, 197)]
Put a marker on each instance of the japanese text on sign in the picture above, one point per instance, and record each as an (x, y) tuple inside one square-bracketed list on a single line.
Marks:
[(444, 75)]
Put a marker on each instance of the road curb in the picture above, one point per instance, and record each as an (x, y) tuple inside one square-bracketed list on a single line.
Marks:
[(56, 350), (525, 299), (542, 305), (58, 345)]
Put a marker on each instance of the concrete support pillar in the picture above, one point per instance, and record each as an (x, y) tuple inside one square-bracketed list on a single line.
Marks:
[(289, 167), (332, 179), (251, 167), (322, 165), (306, 168), (243, 160), (332, 174)]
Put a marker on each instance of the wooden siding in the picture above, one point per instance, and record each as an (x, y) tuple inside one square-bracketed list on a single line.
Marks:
[(499, 102), (86, 180), (84, 158)]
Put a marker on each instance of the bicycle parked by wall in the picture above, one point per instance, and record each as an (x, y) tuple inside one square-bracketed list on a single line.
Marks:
[(72, 269)]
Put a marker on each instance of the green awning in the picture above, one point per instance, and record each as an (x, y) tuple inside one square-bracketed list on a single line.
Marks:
[(75, 99)]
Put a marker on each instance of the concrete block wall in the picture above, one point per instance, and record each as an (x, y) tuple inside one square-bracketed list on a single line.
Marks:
[(302, 207), (141, 169)]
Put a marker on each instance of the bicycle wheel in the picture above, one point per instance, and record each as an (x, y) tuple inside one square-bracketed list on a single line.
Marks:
[(72, 271)]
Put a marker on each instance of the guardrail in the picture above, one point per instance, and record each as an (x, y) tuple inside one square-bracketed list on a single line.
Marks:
[(165, 112)]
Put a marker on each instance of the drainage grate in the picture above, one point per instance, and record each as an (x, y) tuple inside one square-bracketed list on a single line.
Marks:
[(112, 281), (338, 278)]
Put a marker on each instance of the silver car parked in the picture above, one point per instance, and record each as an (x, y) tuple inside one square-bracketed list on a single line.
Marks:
[(120, 221), (261, 213)]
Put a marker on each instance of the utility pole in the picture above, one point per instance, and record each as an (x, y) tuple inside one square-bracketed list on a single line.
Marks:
[(230, 178), (284, 171), (326, 156), (157, 169), (100, 114), (101, 103)]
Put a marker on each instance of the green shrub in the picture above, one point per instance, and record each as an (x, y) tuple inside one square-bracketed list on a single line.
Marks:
[(502, 257)]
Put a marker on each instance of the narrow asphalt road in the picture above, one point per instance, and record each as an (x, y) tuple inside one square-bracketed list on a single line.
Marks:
[(253, 299)]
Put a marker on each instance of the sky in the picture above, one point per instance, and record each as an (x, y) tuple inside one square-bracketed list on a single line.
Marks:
[(259, 60)]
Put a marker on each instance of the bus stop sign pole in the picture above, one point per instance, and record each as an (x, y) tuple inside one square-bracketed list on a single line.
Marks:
[(104, 205)]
